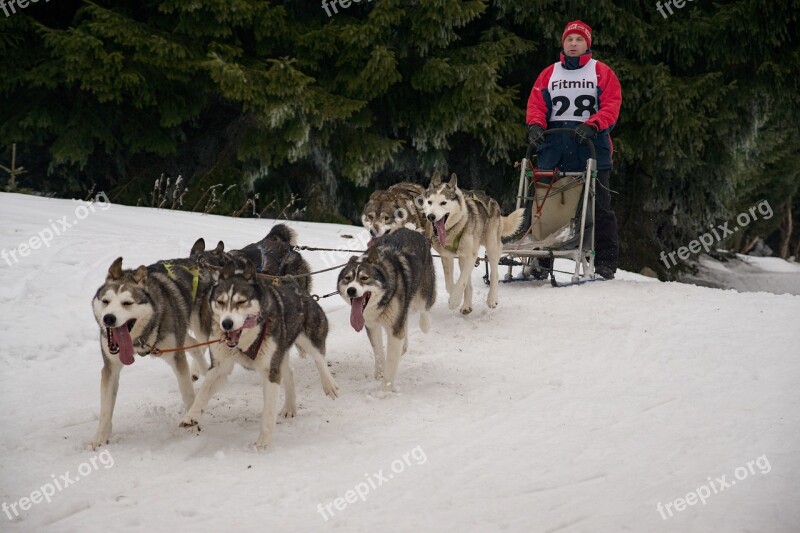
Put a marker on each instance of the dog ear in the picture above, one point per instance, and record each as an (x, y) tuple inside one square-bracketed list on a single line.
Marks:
[(140, 275), (249, 270), (198, 248), (228, 270), (220, 247), (453, 181), (372, 255), (436, 179), (115, 270), (215, 276)]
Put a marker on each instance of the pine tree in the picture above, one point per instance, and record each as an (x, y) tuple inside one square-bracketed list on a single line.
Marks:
[(277, 98)]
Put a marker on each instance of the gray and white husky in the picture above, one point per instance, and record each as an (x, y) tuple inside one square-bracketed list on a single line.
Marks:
[(275, 255), (258, 322), (463, 221), (400, 206), (395, 277), (144, 309)]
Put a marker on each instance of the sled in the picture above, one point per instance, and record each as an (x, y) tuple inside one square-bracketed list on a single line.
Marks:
[(558, 222)]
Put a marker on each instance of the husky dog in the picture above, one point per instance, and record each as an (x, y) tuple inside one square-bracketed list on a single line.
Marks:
[(144, 309), (274, 255), (400, 206), (463, 221), (259, 322), (382, 286)]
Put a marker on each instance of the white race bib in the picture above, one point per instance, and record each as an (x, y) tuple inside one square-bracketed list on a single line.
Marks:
[(573, 93)]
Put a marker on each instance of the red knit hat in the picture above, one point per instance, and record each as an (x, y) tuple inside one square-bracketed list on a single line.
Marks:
[(578, 27)]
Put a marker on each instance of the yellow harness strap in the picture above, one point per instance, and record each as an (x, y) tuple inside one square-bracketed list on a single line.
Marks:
[(195, 272)]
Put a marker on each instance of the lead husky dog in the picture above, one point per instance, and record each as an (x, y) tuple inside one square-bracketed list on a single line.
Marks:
[(463, 221), (400, 206), (275, 255), (259, 322), (383, 286), (143, 309)]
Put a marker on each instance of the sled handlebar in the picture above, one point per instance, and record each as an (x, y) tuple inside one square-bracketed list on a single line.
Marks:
[(532, 146)]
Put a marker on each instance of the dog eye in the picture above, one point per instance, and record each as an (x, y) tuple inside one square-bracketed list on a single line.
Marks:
[(104, 301), (220, 301), (363, 278), (443, 203), (127, 304), (241, 303)]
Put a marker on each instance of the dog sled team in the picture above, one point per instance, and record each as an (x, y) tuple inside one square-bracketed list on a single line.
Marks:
[(250, 306)]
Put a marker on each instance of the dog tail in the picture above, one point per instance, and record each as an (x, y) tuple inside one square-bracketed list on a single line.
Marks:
[(282, 233), (512, 222)]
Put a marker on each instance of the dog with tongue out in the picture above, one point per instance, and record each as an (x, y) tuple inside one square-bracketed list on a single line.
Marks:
[(145, 309), (383, 286), (463, 221)]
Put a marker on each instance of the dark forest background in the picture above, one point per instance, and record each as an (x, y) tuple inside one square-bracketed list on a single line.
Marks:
[(274, 99)]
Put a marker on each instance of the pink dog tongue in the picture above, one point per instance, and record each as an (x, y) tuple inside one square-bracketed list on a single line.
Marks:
[(122, 337), (440, 231), (357, 313)]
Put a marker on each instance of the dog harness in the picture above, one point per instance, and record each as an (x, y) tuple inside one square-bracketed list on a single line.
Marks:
[(456, 242), (195, 272), (252, 352)]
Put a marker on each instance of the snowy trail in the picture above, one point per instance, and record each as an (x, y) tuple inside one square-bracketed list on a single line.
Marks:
[(575, 409)]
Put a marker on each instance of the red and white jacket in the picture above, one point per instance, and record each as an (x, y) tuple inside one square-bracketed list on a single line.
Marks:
[(567, 94)]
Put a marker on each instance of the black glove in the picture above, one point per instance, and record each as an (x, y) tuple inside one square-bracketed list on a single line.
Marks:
[(584, 132), (535, 134)]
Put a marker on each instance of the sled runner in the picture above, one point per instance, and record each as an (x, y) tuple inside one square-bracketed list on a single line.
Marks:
[(559, 215)]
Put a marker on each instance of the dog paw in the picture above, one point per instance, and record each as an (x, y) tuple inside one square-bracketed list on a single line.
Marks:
[(331, 389), (288, 411), (466, 310), (387, 387), (454, 301), (96, 443), (492, 304), (190, 422), (263, 444), (197, 370), (379, 374)]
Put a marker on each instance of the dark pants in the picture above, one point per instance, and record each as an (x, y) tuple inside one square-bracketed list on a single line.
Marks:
[(605, 236)]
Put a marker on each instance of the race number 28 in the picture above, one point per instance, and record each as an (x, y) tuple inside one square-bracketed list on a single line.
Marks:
[(583, 103)]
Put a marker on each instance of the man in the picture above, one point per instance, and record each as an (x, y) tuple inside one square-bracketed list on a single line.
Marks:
[(582, 94)]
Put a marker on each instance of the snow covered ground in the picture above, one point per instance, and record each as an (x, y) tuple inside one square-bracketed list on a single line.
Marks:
[(747, 273), (627, 405)]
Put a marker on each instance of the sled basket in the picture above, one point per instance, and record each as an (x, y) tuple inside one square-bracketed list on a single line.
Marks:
[(558, 220)]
